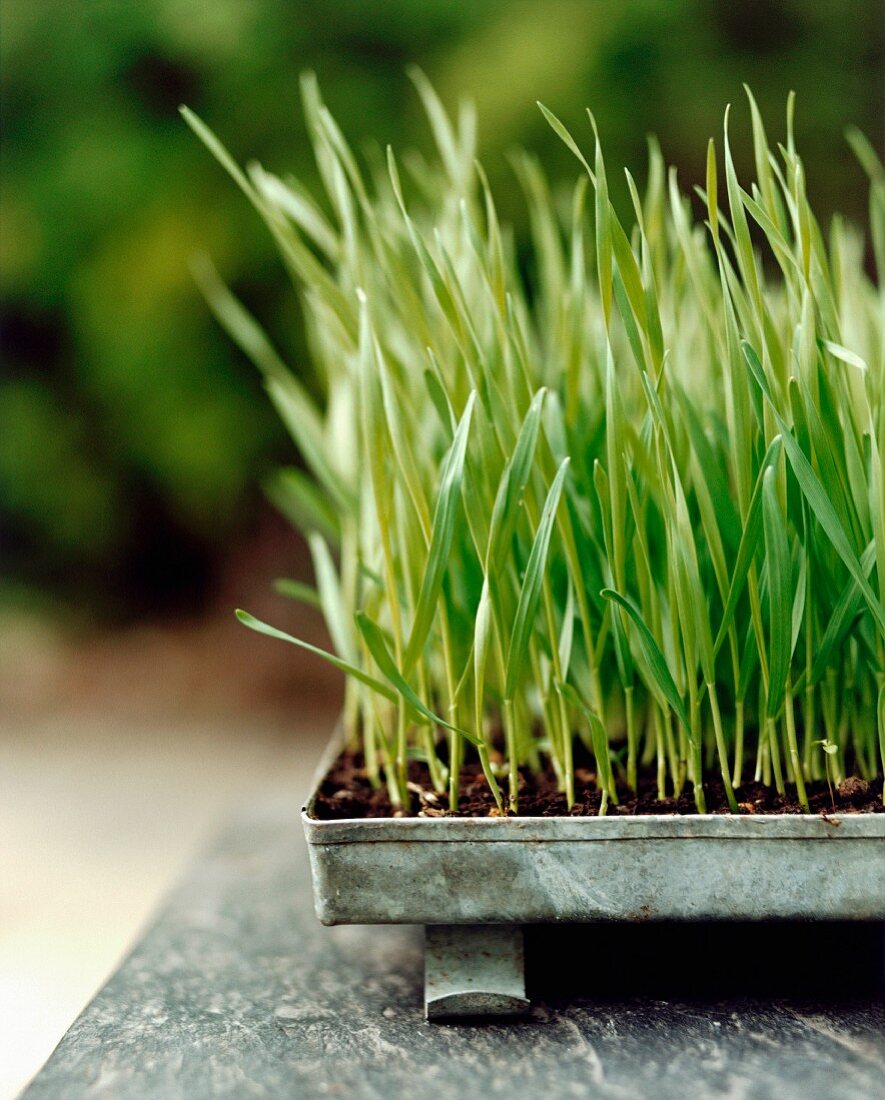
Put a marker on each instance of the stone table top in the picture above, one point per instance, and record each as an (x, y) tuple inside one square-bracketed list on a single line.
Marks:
[(237, 991)]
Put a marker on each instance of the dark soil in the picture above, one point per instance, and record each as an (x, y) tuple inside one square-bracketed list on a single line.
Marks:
[(347, 793)]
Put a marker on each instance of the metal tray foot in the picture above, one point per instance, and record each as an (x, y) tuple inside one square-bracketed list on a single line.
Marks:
[(474, 970)]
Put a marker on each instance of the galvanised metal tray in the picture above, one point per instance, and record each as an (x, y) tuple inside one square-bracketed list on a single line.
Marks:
[(514, 871)]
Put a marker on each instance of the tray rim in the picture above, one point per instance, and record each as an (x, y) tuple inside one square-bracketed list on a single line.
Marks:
[(409, 830)]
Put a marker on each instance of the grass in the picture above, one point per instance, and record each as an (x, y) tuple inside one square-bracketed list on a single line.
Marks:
[(623, 486)]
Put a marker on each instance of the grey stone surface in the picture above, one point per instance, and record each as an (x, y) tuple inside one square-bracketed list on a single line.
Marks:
[(238, 991)]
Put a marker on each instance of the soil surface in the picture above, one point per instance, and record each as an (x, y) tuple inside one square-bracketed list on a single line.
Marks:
[(347, 793)]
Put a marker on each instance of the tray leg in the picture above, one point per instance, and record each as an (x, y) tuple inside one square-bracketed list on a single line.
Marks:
[(474, 970)]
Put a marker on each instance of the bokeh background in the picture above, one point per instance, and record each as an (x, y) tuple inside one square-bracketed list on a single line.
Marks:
[(134, 438)]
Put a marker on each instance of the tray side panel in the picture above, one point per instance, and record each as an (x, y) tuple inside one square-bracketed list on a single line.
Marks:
[(637, 879)]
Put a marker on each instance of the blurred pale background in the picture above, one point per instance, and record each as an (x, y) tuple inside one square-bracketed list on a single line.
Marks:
[(134, 713)]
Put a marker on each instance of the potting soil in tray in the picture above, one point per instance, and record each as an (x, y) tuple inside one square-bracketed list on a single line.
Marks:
[(346, 792)]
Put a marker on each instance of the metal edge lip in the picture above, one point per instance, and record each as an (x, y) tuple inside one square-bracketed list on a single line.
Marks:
[(328, 758), (772, 827)]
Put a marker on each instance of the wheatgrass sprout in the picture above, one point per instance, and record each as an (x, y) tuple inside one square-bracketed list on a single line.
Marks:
[(638, 507)]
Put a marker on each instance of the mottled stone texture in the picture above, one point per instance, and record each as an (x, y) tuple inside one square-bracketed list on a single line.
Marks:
[(238, 991)]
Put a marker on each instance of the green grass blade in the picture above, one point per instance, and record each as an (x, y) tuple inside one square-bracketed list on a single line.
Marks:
[(780, 596), (345, 666), (296, 590), (598, 735), (662, 677), (296, 496), (843, 617), (444, 516), (373, 636), (880, 716), (331, 599), (815, 494), (603, 232), (563, 134), (530, 593), (509, 496)]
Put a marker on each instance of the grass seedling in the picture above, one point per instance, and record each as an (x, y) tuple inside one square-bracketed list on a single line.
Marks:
[(829, 750), (635, 499)]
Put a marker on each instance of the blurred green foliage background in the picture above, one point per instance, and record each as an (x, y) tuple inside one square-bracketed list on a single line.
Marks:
[(132, 436)]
